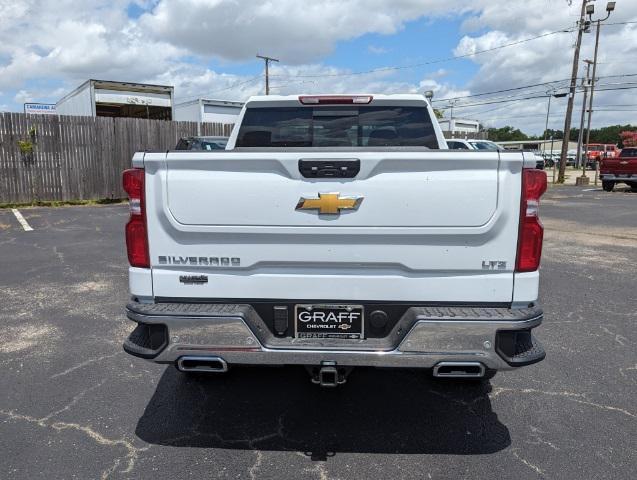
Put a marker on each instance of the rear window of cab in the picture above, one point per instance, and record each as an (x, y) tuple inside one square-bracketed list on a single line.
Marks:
[(337, 126), (629, 152)]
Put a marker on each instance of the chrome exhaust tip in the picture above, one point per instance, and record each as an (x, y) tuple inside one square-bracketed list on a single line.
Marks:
[(459, 370), (202, 364)]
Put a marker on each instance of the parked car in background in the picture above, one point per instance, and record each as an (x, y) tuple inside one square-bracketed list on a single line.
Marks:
[(459, 144), (485, 145), (570, 159), (202, 143), (619, 169), (551, 159), (540, 162)]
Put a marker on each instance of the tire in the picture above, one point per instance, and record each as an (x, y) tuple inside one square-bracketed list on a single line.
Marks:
[(633, 187), (608, 186)]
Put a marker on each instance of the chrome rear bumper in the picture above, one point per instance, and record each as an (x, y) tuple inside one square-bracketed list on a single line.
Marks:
[(437, 334), (618, 178)]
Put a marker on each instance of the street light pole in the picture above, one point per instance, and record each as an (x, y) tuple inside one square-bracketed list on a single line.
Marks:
[(580, 137), (551, 93), (546, 126), (610, 7), (552, 159)]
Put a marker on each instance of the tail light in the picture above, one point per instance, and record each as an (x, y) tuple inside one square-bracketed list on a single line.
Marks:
[(531, 229), (136, 232)]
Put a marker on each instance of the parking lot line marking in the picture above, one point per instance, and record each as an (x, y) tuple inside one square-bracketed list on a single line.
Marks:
[(22, 220)]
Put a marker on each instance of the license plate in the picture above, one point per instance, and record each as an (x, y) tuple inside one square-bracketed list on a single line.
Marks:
[(329, 321)]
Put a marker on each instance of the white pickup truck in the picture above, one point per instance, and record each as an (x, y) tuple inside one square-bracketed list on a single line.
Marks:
[(334, 232)]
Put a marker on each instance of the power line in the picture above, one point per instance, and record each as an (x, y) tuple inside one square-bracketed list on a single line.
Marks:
[(632, 85), (528, 86), (416, 65), (234, 85), (442, 60), (501, 91), (494, 102), (619, 23), (597, 108), (431, 62)]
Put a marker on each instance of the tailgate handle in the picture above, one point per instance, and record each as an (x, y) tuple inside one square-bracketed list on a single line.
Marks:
[(348, 168)]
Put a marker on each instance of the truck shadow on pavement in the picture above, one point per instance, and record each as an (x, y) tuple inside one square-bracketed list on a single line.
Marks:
[(278, 409)]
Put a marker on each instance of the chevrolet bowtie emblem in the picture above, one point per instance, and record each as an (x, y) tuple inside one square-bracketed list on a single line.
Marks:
[(329, 203)]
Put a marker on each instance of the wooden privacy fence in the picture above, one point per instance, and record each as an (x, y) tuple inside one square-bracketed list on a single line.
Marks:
[(50, 157)]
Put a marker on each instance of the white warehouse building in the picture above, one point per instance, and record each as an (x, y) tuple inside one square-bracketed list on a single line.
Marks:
[(105, 98), (459, 125), (203, 110)]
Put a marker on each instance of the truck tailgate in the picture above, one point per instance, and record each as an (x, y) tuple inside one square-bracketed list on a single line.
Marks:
[(619, 165), (430, 226)]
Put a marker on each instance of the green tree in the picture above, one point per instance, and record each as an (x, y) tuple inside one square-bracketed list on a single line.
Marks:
[(505, 134), (610, 134), (557, 134)]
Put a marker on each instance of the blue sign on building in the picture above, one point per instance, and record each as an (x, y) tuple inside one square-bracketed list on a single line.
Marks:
[(40, 108)]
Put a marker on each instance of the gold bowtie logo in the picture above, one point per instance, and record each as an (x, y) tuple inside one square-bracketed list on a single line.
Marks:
[(329, 203)]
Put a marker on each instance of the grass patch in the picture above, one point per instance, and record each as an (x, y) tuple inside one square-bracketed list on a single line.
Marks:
[(59, 203)]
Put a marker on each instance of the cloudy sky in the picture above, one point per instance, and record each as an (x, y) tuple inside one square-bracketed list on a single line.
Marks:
[(207, 48)]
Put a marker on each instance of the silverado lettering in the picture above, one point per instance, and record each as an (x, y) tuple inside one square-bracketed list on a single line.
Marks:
[(201, 261)]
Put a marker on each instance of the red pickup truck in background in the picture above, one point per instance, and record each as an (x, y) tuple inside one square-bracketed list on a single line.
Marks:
[(619, 169)]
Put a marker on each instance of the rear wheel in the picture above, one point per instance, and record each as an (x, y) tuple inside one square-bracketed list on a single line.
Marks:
[(608, 186)]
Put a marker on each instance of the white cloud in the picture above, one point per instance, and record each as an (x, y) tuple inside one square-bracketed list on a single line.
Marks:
[(23, 96), (77, 42), (545, 59), (174, 41), (377, 50), (294, 31), (191, 81)]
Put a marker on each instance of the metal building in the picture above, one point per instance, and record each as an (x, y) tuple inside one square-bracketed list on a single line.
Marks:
[(459, 125), (202, 110), (102, 98)]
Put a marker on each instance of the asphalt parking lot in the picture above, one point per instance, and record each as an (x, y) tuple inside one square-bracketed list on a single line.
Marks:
[(74, 405)]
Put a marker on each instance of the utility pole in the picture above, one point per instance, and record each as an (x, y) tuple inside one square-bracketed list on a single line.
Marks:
[(580, 137), (267, 61), (581, 26), (610, 7)]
